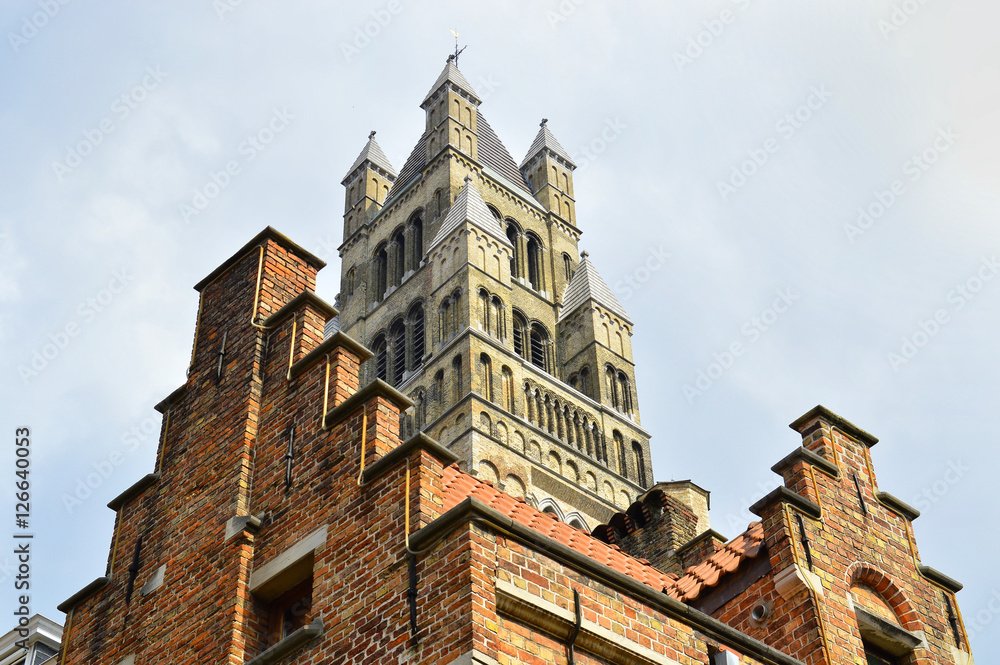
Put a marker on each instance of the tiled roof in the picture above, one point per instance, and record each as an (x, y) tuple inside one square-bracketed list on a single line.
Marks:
[(459, 486), (451, 74), (587, 284), (372, 152), (411, 169), (545, 140), (469, 206), (726, 560), (494, 154)]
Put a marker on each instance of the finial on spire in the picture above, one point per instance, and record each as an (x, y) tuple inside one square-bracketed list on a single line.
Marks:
[(458, 51), (468, 178), (542, 123), (584, 254), (371, 135)]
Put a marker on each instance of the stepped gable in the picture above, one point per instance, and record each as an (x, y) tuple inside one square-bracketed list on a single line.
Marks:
[(727, 560), (459, 486), (587, 284)]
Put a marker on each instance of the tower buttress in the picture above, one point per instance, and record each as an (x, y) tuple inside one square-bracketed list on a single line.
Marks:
[(451, 106), (550, 170), (367, 182)]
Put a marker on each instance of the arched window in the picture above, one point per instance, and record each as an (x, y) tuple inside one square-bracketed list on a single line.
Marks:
[(486, 377), (380, 276), (414, 243), (494, 212), (397, 353), (437, 392), (585, 381), (640, 463), (513, 234), (484, 310), (567, 266), (456, 371), (420, 409), (499, 318), (349, 283), (415, 321), (444, 320), (520, 328), (534, 260), (620, 450), (380, 356), (539, 339), (624, 393), (507, 387), (397, 256), (612, 387)]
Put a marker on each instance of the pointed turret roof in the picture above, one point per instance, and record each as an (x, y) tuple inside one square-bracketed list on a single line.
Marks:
[(587, 284), (545, 140), (470, 207), (451, 74), (372, 152)]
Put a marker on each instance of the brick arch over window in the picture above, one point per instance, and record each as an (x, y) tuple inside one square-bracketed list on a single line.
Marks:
[(864, 573)]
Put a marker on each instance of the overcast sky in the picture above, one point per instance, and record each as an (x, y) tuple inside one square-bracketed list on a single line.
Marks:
[(836, 159)]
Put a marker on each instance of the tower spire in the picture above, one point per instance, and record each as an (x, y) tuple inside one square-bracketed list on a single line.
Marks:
[(458, 51)]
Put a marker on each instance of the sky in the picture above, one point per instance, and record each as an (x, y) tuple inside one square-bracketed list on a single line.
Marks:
[(796, 203)]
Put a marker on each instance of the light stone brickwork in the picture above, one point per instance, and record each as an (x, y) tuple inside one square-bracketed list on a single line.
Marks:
[(514, 422)]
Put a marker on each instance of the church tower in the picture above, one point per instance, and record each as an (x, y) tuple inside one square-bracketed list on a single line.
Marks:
[(461, 274)]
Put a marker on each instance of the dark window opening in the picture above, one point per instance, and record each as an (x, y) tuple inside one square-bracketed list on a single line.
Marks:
[(290, 611)]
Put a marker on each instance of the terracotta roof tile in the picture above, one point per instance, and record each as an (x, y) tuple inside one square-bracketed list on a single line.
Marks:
[(459, 486), (726, 560)]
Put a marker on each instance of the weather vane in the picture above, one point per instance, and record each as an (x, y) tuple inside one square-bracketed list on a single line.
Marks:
[(458, 51)]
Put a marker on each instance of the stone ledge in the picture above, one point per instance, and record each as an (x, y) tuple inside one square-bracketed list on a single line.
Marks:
[(941, 579), (292, 643), (287, 568), (82, 594), (170, 399), (136, 488), (885, 635), (898, 506), (269, 233), (377, 388), (306, 297), (786, 495), (418, 441), (809, 457), (846, 426), (338, 338)]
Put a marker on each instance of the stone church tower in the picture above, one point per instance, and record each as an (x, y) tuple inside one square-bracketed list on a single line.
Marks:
[(462, 273)]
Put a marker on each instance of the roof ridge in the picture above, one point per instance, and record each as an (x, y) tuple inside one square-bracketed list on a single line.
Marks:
[(469, 206), (546, 140), (587, 284), (373, 153)]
